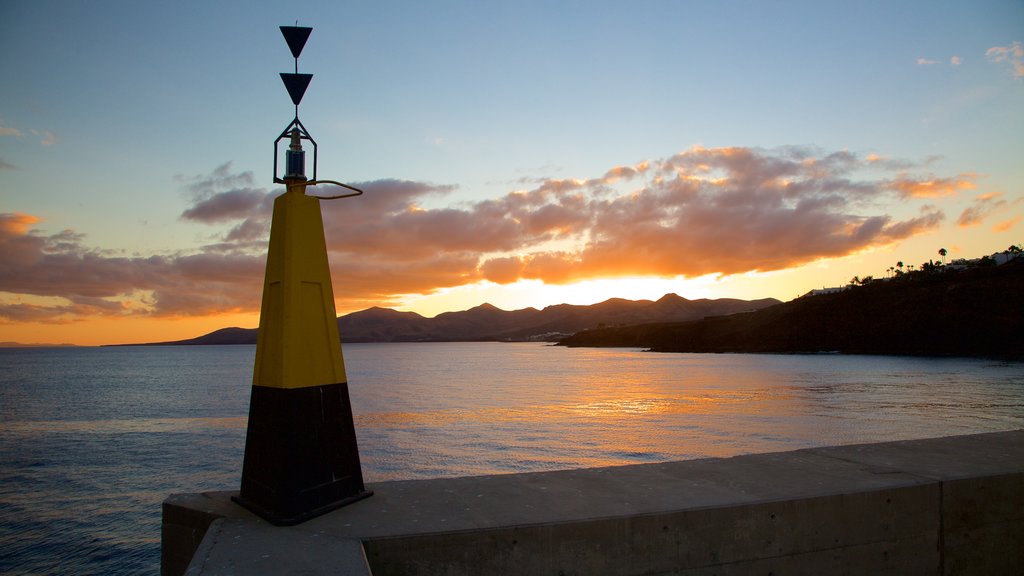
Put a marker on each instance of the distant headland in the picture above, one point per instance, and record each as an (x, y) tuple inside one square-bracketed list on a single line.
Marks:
[(965, 308)]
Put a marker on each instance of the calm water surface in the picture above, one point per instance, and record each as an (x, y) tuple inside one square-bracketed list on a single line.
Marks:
[(93, 439)]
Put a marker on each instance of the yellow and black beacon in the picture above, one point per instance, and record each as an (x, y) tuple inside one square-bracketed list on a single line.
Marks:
[(301, 458)]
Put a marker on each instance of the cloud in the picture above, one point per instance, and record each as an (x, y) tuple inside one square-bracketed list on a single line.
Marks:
[(5, 165), (985, 205), (95, 283), (504, 270), (702, 211), (222, 178), (1012, 55), (16, 223), (931, 187), (953, 61), (725, 211), (227, 206), (48, 138), (1007, 225), (224, 196)]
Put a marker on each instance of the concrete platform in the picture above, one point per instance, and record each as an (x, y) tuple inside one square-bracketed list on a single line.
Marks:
[(938, 506)]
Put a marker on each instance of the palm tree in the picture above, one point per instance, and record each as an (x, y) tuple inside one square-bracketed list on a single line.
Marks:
[(942, 252), (899, 266)]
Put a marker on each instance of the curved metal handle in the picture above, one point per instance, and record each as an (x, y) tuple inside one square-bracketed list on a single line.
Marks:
[(355, 191)]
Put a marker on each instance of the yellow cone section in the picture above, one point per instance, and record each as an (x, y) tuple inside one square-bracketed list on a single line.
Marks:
[(298, 343)]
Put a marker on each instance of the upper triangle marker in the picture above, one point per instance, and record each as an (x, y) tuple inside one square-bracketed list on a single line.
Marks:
[(296, 37)]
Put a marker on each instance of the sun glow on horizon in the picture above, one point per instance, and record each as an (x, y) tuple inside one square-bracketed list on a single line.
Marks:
[(537, 294), (100, 331)]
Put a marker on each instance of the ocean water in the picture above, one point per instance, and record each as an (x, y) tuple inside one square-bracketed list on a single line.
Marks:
[(93, 439)]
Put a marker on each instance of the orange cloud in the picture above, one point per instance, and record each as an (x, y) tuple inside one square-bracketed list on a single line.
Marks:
[(933, 187), (980, 209), (95, 283), (702, 211), (763, 211), (1006, 225), (16, 224), (502, 270)]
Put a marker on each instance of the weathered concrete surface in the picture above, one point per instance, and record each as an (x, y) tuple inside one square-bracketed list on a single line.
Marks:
[(947, 505), (235, 546), (186, 518)]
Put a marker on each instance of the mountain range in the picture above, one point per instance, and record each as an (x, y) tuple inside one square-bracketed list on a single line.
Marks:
[(490, 323)]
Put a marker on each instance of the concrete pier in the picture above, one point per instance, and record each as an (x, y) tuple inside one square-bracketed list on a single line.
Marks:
[(950, 505)]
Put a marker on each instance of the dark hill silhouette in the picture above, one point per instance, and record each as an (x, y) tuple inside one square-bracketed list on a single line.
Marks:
[(487, 322), (977, 312), (381, 324), (222, 336)]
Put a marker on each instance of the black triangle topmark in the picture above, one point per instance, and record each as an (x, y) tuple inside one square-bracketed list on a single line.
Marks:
[(296, 37)]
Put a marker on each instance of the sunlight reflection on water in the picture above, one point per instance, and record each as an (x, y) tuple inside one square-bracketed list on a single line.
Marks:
[(487, 408)]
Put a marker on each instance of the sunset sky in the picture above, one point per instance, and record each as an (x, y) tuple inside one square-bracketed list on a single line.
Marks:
[(518, 153)]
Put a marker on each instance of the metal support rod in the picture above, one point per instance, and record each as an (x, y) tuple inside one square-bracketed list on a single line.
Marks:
[(356, 191)]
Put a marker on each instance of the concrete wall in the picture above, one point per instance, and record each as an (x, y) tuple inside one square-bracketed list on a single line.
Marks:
[(186, 519), (941, 506), (964, 527)]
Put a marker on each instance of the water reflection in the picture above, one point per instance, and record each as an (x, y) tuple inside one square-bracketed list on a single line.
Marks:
[(558, 408)]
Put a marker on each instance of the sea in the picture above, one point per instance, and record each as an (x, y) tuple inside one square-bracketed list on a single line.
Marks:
[(93, 439)]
